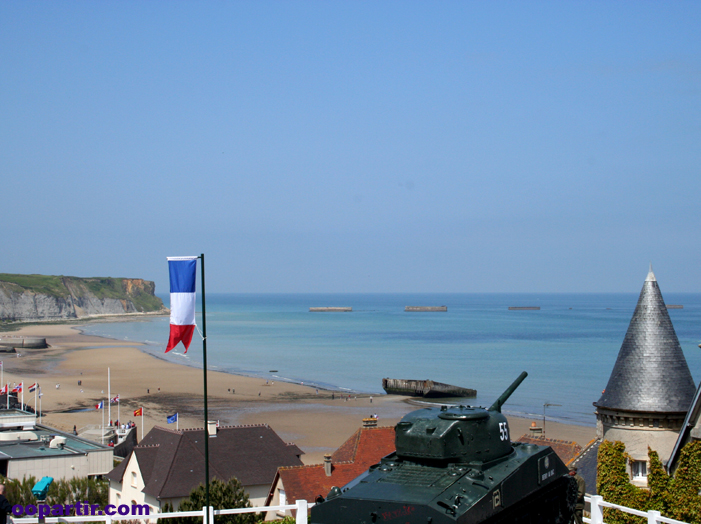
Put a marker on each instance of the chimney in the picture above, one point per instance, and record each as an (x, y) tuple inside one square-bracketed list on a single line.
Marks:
[(327, 465), (212, 428)]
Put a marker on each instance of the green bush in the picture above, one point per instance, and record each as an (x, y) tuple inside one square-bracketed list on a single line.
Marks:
[(222, 495), (62, 491), (677, 498)]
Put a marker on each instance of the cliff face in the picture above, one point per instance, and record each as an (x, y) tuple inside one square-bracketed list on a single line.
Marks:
[(40, 297)]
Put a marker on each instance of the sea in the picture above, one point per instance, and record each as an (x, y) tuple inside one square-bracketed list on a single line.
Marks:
[(568, 347)]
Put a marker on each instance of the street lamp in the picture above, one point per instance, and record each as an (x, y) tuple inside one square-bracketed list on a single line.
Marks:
[(547, 405)]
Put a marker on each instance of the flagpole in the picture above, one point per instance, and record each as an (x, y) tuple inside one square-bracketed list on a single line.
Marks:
[(204, 369), (118, 419), (22, 406), (142, 422), (103, 425), (39, 405), (109, 398)]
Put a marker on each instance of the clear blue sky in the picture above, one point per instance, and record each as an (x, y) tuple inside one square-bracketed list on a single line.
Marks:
[(354, 146)]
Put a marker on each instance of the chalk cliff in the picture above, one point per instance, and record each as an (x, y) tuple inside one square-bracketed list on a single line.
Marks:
[(42, 297)]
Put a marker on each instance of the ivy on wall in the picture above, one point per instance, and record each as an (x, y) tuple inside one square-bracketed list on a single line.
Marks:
[(674, 497)]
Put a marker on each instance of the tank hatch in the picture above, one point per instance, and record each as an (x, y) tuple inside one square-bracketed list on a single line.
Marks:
[(463, 413)]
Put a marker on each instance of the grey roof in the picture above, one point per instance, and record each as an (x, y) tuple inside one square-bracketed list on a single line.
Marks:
[(172, 462), (651, 373), (586, 464)]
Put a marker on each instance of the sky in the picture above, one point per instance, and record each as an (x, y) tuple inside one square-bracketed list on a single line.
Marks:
[(354, 146)]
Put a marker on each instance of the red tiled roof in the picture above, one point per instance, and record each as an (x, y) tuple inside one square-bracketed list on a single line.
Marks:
[(363, 449), (565, 449)]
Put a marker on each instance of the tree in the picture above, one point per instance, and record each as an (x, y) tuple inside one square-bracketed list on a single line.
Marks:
[(222, 495), (61, 491)]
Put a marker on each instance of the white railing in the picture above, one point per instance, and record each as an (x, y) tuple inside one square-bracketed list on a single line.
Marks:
[(597, 512), (302, 507)]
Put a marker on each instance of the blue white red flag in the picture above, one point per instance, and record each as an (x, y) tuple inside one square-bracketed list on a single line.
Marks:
[(17, 388), (114, 400), (32, 387), (172, 418), (3, 390), (182, 300), (100, 405)]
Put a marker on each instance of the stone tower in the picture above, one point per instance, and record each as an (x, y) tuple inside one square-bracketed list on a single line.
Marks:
[(650, 388)]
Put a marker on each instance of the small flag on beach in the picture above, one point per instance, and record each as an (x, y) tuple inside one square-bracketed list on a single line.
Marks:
[(32, 387), (100, 405), (182, 300), (3, 390), (17, 388), (115, 399), (172, 419), (139, 412)]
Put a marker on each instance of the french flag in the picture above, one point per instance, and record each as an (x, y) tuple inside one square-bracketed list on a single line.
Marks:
[(182, 300)]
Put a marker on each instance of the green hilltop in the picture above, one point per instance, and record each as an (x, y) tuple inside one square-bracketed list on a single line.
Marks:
[(138, 291)]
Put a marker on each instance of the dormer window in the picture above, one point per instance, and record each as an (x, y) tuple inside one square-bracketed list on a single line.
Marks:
[(133, 478), (639, 468)]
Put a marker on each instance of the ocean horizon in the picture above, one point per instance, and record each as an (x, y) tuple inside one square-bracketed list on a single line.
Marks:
[(568, 347)]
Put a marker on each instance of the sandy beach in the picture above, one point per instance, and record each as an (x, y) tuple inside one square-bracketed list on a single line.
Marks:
[(311, 418)]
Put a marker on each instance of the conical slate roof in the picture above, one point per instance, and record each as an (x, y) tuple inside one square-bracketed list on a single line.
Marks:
[(651, 373)]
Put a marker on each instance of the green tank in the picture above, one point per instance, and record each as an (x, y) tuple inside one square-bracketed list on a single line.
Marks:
[(456, 465)]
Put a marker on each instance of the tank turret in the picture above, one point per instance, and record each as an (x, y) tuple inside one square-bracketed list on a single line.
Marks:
[(460, 434), (456, 464)]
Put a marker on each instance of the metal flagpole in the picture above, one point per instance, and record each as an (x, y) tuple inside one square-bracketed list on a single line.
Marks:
[(118, 419), (177, 422), (36, 386), (103, 424), (22, 406), (206, 417), (39, 405), (109, 398), (142, 422)]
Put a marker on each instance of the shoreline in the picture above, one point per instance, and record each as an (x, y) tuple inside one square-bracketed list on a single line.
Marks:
[(317, 420)]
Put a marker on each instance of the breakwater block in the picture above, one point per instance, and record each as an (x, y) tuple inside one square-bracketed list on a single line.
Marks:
[(675, 306), (524, 308), (426, 308), (330, 309)]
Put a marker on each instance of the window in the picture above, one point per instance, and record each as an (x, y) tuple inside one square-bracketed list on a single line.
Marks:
[(639, 468), (283, 498), (133, 478)]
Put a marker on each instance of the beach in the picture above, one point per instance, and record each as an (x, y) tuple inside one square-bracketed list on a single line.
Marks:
[(307, 416)]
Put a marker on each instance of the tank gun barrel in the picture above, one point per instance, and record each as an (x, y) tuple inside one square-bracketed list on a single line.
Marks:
[(498, 403)]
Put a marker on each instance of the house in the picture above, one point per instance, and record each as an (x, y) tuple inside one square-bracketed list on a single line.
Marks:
[(363, 449), (650, 388), (168, 464), (565, 449), (691, 430), (31, 449)]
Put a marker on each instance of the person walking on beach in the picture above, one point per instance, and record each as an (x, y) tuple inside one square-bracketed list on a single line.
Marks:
[(5, 506), (577, 517)]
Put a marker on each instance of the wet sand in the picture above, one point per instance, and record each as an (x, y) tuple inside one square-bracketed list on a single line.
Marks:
[(313, 420)]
